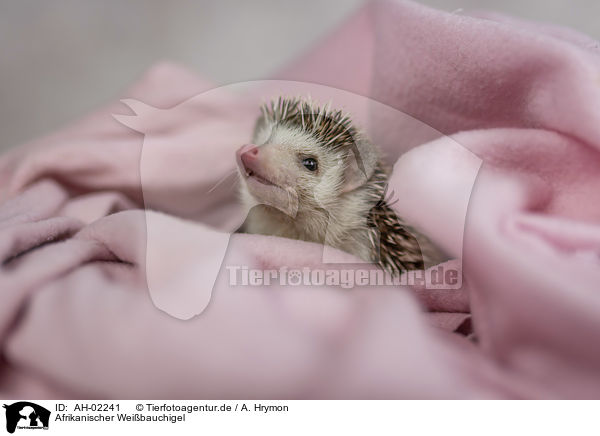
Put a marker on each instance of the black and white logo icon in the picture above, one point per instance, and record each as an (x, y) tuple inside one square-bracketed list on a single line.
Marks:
[(26, 415)]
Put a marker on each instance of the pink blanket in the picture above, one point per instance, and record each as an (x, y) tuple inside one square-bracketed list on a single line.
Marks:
[(117, 255)]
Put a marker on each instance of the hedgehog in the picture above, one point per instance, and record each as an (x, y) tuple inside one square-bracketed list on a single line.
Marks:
[(310, 174)]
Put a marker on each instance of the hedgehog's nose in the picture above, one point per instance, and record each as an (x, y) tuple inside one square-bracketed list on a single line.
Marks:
[(248, 148), (248, 153)]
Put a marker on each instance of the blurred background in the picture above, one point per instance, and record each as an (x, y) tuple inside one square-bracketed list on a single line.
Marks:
[(61, 59)]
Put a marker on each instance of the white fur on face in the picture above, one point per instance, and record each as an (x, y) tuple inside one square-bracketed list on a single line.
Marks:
[(282, 150)]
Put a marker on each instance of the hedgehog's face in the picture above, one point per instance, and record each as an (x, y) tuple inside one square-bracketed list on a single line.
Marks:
[(288, 169)]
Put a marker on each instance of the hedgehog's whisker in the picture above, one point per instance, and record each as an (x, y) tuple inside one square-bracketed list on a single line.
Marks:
[(231, 173), (235, 182)]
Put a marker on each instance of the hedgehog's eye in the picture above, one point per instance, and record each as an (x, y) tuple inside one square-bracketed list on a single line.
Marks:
[(310, 164)]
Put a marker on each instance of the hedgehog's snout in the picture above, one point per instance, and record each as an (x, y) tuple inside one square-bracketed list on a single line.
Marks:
[(253, 165), (247, 155)]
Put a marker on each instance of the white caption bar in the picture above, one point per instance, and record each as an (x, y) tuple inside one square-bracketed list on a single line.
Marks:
[(263, 418)]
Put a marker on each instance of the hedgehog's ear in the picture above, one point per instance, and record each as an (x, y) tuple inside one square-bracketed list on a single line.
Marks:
[(360, 164)]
